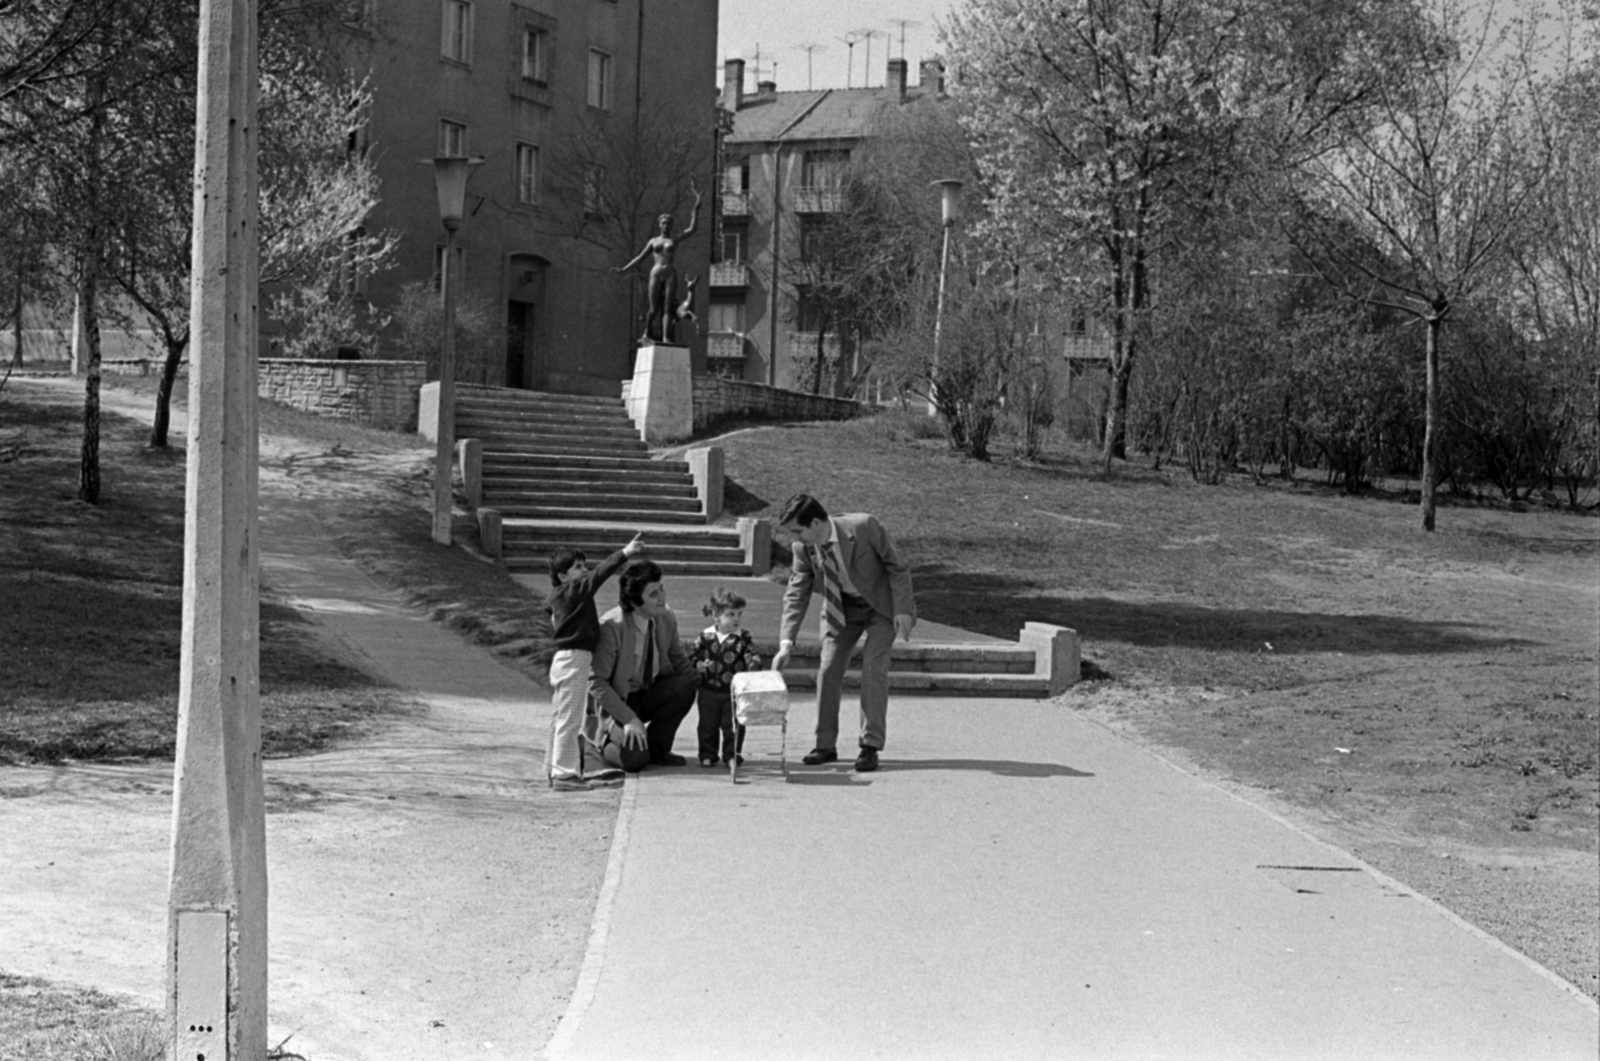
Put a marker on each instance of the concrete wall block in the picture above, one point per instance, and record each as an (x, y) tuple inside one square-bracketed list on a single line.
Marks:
[(705, 464), (755, 537), (490, 537), (1056, 654), (469, 458)]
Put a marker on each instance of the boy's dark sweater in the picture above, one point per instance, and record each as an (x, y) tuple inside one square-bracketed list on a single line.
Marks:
[(573, 616)]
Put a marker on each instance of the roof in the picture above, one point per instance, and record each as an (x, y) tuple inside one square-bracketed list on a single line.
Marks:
[(822, 114)]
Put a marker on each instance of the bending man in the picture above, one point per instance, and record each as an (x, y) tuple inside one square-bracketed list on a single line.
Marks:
[(866, 589)]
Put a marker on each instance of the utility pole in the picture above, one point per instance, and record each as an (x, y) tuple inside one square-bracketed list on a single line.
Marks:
[(216, 954)]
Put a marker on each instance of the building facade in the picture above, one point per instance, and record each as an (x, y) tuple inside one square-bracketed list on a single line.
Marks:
[(531, 87), (783, 158)]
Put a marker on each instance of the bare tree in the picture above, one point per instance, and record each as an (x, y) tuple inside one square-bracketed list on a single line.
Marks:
[(1417, 210)]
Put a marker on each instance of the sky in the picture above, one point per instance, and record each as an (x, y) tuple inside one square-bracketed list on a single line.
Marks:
[(779, 29)]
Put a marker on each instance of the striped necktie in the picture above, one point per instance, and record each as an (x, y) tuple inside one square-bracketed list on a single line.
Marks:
[(832, 592)]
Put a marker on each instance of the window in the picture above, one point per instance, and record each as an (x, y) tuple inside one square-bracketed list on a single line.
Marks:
[(535, 51), (823, 169), (811, 314), (456, 44), (599, 79), (527, 173), (734, 244), (813, 240), (594, 184), (725, 317), (452, 139), (736, 177), (352, 277)]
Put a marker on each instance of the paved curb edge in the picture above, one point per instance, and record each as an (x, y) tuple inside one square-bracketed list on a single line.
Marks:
[(1233, 791), (594, 955)]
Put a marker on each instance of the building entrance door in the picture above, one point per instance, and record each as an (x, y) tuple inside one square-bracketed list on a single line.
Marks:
[(521, 372)]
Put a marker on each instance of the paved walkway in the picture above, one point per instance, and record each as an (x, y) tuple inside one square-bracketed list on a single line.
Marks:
[(1017, 882), (1014, 883)]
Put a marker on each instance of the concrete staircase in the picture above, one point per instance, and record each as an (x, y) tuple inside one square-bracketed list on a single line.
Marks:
[(571, 470), (563, 470)]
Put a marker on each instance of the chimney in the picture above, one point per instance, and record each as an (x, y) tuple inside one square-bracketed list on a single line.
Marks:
[(897, 79), (933, 76), (766, 88), (732, 84)]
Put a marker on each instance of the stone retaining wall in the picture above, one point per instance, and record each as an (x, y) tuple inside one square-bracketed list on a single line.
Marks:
[(381, 393), (717, 399)]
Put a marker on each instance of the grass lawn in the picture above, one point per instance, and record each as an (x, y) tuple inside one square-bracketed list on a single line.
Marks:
[(1431, 697), (40, 1021), (91, 607)]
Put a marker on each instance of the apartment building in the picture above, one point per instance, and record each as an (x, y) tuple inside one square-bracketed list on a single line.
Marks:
[(783, 158), (513, 83)]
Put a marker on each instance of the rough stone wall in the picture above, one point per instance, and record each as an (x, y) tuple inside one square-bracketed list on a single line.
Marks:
[(381, 393), (717, 399)]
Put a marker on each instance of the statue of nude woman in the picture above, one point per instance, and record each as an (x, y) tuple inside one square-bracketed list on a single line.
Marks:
[(661, 324)]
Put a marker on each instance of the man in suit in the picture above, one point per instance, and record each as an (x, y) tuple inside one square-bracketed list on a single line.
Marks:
[(642, 678), (866, 589)]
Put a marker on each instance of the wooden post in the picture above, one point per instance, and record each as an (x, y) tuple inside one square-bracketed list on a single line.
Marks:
[(217, 898)]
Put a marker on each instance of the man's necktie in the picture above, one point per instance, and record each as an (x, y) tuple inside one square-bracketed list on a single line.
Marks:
[(832, 592), (647, 677)]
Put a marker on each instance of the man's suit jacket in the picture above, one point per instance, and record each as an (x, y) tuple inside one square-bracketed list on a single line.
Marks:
[(614, 659), (871, 559)]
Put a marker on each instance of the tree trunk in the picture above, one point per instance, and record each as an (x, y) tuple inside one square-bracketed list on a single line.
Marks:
[(816, 371), (16, 323), (1430, 473), (89, 464), (169, 373)]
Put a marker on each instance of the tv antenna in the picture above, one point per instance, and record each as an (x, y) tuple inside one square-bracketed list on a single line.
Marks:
[(849, 41), (809, 49), (867, 35), (901, 24)]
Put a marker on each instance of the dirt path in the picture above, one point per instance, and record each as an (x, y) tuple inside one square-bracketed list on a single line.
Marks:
[(430, 896)]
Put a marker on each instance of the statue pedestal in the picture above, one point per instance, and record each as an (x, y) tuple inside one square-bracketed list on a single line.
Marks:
[(661, 400)]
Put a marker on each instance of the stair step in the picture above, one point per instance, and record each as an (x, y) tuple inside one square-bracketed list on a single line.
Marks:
[(609, 537), (552, 417), (614, 450), (530, 487), (521, 502), (573, 477), (541, 430), (705, 569), (472, 392), (539, 557), (601, 515), (501, 462), (942, 684)]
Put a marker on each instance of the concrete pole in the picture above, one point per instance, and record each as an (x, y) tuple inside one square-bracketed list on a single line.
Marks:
[(217, 898), (445, 439)]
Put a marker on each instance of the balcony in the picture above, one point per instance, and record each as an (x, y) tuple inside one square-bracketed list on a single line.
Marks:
[(735, 204), (816, 200), (730, 274), (725, 346)]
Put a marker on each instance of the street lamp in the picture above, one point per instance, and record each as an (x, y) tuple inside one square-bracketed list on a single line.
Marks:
[(450, 173), (950, 211)]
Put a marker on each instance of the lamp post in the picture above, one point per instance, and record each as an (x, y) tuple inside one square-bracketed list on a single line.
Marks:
[(950, 210), (450, 173)]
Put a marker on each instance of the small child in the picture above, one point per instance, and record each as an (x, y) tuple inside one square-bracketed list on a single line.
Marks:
[(722, 650), (576, 625)]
